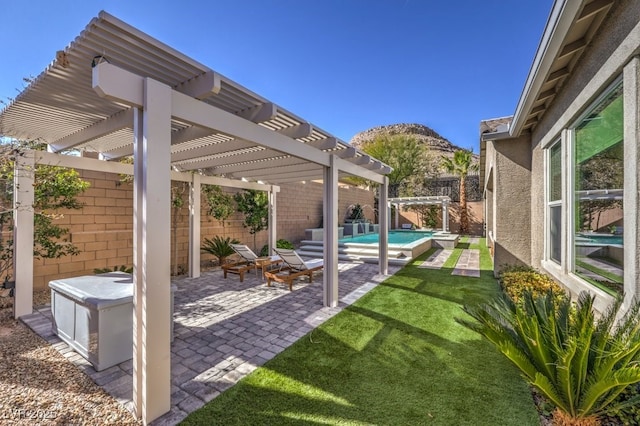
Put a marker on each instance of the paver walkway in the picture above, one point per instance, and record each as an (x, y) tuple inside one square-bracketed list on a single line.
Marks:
[(437, 259), (468, 263), (224, 329), (474, 240)]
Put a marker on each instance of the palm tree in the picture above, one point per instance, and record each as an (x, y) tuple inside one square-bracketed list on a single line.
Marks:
[(460, 165)]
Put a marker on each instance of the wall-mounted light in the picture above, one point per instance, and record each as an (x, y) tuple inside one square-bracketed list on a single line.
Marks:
[(98, 59)]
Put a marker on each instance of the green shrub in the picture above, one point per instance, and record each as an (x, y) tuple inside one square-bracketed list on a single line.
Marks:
[(515, 280), (580, 363), (219, 247), (629, 410), (279, 244), (121, 268)]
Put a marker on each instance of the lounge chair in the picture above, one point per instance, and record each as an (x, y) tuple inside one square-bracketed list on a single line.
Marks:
[(294, 268), (249, 261)]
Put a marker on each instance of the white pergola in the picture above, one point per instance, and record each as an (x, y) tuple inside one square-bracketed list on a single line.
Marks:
[(441, 200), (119, 92)]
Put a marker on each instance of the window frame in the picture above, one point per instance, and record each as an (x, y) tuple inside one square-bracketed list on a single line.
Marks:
[(569, 179), (550, 204)]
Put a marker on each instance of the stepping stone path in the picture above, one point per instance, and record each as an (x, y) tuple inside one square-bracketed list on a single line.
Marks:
[(437, 259), (474, 240), (468, 263)]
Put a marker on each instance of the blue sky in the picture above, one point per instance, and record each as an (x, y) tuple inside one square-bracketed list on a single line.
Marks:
[(344, 65)]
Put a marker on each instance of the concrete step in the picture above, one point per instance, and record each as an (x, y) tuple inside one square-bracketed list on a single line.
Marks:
[(353, 253)]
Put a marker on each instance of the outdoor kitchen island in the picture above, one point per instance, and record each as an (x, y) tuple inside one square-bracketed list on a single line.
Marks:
[(93, 314)]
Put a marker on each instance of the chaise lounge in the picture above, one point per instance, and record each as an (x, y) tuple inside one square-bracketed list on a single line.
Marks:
[(249, 261), (294, 268)]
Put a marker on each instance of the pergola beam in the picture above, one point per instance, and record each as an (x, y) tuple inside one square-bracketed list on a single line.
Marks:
[(189, 134), (118, 121), (303, 130), (201, 86), (279, 171), (291, 177), (196, 158), (328, 143), (350, 152), (352, 169), (82, 163), (249, 166), (300, 178), (260, 113), (362, 160)]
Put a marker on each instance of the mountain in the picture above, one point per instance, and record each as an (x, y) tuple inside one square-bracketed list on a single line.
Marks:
[(438, 144)]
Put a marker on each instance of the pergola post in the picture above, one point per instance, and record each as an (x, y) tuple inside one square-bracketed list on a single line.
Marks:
[(23, 179), (151, 349), (138, 168), (273, 224), (194, 226), (330, 231), (383, 260), (445, 217), (397, 216)]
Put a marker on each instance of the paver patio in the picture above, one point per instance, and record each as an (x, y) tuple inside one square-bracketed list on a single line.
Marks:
[(224, 329)]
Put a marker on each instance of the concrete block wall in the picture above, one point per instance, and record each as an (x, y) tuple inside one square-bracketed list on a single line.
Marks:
[(103, 229), (474, 210)]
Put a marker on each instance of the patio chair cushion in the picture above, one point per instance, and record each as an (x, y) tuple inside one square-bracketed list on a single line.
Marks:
[(295, 268), (295, 262)]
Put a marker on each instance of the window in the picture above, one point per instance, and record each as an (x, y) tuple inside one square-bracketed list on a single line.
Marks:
[(555, 202), (598, 167)]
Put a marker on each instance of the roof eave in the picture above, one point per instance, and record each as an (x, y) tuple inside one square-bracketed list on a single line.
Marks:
[(558, 25)]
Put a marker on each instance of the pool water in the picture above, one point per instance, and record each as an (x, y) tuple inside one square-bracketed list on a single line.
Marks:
[(395, 237), (600, 239)]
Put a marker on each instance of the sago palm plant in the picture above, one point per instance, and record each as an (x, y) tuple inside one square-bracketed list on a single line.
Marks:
[(219, 247), (580, 363)]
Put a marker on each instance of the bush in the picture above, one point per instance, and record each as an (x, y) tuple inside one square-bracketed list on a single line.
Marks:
[(284, 244), (580, 363), (629, 411), (219, 247), (515, 280), (121, 268)]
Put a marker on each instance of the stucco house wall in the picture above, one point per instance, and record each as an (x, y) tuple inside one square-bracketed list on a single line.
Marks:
[(510, 224)]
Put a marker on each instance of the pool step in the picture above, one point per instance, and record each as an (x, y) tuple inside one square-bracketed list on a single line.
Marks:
[(364, 253)]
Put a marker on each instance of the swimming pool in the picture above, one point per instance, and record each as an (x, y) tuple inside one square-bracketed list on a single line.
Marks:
[(395, 237), (606, 239)]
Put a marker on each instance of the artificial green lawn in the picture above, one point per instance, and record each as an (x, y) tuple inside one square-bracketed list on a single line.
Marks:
[(395, 357)]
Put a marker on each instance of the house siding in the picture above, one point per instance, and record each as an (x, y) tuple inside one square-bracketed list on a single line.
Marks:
[(509, 200)]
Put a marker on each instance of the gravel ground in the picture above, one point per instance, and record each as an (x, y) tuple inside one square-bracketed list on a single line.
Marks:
[(39, 386)]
